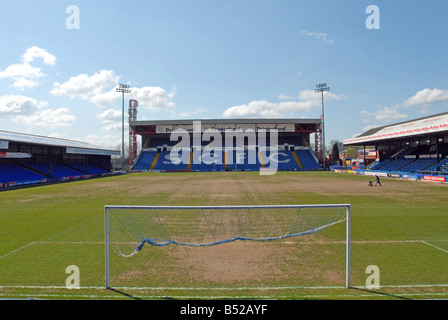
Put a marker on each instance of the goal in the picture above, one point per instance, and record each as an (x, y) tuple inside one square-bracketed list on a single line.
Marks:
[(129, 228)]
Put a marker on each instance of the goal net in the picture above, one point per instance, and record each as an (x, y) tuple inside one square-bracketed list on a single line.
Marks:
[(129, 228)]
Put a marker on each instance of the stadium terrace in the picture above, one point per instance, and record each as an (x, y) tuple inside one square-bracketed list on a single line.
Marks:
[(229, 145), (415, 149), (27, 159)]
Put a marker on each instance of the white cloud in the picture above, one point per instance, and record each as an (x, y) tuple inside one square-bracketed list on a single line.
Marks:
[(318, 35), (107, 98), (385, 114), (425, 98), (36, 52), (17, 104), (153, 98), (261, 108), (108, 141), (116, 126), (85, 86), (32, 113), (93, 88), (24, 74), (112, 119), (110, 115), (308, 100), (47, 118)]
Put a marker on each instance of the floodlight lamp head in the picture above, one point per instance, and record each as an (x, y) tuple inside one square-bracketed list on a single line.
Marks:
[(123, 88), (321, 87)]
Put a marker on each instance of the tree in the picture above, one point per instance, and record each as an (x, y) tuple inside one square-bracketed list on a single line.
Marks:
[(352, 153), (335, 152)]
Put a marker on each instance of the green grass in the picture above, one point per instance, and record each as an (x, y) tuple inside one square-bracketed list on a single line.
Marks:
[(401, 227)]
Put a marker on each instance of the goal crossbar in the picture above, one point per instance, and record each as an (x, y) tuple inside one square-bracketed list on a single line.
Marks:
[(135, 226)]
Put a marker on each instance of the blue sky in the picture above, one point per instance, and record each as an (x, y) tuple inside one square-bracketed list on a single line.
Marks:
[(196, 59)]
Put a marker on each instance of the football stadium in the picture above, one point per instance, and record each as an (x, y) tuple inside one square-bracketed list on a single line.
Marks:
[(199, 216)]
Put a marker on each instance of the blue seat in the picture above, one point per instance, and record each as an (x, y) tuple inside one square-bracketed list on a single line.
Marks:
[(12, 172), (165, 163), (307, 159), (145, 160)]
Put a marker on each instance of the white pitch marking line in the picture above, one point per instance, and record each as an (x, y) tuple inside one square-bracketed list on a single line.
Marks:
[(442, 294), (9, 253), (431, 245), (227, 288)]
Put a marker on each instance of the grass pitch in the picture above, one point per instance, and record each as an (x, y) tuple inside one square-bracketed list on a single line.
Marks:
[(401, 228)]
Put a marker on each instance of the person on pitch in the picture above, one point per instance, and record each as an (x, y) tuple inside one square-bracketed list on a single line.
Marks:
[(377, 180)]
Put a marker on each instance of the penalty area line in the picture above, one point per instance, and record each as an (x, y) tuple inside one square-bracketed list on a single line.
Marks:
[(440, 295), (18, 249), (276, 288), (431, 245)]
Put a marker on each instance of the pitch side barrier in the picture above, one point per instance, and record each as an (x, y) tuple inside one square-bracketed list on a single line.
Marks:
[(32, 183), (429, 176)]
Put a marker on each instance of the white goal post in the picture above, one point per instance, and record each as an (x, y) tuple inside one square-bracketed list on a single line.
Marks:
[(129, 228)]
